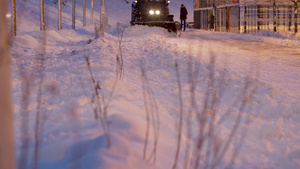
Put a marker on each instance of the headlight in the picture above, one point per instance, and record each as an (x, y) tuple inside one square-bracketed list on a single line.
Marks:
[(157, 12), (151, 12)]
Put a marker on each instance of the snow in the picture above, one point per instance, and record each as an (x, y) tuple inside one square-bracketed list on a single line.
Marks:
[(71, 137)]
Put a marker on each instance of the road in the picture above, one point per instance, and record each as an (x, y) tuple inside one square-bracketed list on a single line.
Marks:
[(279, 62)]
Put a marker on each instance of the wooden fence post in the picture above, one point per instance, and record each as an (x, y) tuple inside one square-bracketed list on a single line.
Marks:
[(92, 11), (42, 15), (73, 14), (7, 155), (59, 15), (102, 18), (14, 18), (84, 12)]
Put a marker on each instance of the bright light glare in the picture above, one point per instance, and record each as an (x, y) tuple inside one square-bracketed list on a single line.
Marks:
[(157, 12), (151, 12), (8, 15)]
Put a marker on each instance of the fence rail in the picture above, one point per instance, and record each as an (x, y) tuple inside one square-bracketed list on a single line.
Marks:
[(249, 17)]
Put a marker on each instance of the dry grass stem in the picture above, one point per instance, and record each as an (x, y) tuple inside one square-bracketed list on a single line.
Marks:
[(100, 109), (152, 116), (179, 129), (119, 56), (38, 127)]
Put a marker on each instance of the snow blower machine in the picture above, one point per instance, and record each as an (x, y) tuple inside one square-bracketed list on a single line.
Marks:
[(153, 13)]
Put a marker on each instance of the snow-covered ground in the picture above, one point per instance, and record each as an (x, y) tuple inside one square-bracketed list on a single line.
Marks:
[(256, 77)]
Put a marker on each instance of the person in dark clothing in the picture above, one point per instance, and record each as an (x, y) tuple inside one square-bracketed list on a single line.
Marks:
[(183, 14)]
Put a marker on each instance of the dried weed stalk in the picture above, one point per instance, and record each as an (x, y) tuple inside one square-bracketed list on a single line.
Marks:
[(28, 79), (179, 129), (39, 122), (152, 116), (193, 72), (210, 149), (100, 106), (119, 55), (76, 151), (24, 127)]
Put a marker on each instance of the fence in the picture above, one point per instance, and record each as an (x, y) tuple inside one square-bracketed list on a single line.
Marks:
[(58, 5), (247, 16)]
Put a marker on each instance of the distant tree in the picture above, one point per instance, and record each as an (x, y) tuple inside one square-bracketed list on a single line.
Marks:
[(7, 155)]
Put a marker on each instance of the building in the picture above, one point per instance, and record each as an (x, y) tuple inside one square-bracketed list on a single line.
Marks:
[(246, 16), (204, 9)]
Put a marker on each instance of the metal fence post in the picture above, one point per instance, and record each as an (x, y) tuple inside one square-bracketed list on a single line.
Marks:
[(220, 19), (268, 16), (245, 20), (274, 16), (226, 9), (290, 17), (258, 17), (239, 24), (296, 16), (215, 17)]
